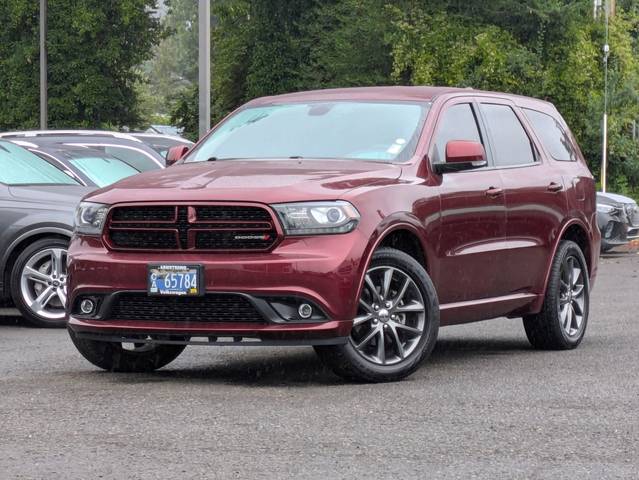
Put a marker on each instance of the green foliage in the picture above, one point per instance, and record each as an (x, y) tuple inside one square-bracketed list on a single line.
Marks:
[(100, 73), (93, 50)]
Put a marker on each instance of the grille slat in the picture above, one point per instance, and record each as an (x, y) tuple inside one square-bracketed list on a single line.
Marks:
[(210, 308), (199, 227)]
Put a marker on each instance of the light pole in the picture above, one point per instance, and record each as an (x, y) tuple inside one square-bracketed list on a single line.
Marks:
[(204, 66), (604, 142), (43, 65)]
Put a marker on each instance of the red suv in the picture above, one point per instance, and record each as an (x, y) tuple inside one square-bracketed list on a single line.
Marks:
[(355, 220)]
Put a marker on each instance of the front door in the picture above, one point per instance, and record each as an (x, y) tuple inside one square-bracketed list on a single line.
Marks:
[(473, 216)]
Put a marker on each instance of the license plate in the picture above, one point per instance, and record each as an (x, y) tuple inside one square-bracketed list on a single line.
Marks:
[(175, 280)]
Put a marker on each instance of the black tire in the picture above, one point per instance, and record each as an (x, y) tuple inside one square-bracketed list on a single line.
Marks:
[(28, 315), (544, 330), (113, 357), (345, 360)]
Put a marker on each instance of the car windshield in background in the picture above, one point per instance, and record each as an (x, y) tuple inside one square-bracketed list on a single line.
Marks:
[(21, 167), (384, 132), (102, 171), (136, 157)]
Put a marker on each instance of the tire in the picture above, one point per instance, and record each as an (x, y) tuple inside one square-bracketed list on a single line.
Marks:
[(368, 358), (551, 329), (46, 260), (112, 356), (606, 248)]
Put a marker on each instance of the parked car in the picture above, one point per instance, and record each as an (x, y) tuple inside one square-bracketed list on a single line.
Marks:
[(162, 143), (119, 145), (356, 220), (165, 130), (37, 203), (618, 220), (90, 166)]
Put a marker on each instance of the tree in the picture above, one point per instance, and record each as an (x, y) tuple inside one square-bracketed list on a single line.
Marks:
[(94, 48)]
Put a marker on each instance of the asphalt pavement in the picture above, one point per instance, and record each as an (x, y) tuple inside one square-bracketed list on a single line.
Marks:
[(486, 406)]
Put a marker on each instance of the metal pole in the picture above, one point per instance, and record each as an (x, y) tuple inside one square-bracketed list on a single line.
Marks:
[(43, 65), (604, 143), (204, 65)]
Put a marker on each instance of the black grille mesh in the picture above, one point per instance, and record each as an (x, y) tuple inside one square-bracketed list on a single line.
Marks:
[(200, 227), (214, 213), (153, 239), (145, 214), (210, 308)]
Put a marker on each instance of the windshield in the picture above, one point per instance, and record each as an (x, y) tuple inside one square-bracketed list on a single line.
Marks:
[(385, 132), (137, 158), (21, 167), (102, 171)]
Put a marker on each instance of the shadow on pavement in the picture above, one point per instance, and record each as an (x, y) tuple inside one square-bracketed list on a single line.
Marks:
[(302, 367)]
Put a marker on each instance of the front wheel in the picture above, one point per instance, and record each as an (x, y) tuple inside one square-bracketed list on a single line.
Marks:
[(562, 322), (39, 282), (396, 325), (125, 357)]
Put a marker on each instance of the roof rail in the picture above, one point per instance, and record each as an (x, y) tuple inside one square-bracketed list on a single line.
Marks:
[(88, 133)]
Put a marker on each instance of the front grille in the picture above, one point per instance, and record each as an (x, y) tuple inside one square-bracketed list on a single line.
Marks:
[(210, 308), (186, 227)]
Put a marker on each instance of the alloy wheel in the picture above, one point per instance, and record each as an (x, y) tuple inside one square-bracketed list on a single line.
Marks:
[(43, 283), (572, 296), (391, 317)]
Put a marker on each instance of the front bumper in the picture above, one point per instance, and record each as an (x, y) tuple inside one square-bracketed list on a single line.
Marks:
[(326, 271)]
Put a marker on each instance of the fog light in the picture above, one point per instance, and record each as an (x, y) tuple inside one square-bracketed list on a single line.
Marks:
[(305, 310), (87, 306)]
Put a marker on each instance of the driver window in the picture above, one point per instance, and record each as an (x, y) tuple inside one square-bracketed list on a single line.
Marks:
[(457, 123)]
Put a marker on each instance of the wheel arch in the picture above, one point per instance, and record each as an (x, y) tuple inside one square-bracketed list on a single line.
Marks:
[(402, 230), (575, 231)]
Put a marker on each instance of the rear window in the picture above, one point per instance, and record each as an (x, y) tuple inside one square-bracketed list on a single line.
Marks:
[(21, 167), (552, 135)]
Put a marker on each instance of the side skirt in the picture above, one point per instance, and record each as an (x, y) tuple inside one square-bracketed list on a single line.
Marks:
[(475, 310)]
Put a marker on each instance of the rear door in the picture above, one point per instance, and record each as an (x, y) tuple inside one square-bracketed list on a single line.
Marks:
[(534, 197), (473, 214)]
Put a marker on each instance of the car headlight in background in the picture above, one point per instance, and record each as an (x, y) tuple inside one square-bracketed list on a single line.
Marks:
[(603, 208), (89, 218), (317, 218)]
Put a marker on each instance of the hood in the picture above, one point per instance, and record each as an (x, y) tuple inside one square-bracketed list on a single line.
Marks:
[(53, 197), (265, 181), (613, 199)]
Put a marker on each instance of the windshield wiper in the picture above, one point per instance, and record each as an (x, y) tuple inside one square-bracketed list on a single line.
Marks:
[(211, 159)]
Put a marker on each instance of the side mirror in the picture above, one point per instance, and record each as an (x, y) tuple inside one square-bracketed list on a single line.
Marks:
[(462, 155), (175, 153)]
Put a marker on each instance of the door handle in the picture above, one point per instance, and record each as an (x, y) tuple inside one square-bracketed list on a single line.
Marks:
[(493, 192), (555, 187)]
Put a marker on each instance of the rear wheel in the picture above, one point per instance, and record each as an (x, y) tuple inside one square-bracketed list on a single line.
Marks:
[(396, 325), (562, 322), (126, 357), (39, 282)]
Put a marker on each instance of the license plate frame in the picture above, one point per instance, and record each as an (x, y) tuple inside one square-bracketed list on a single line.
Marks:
[(156, 273)]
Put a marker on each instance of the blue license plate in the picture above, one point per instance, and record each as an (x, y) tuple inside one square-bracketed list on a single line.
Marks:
[(176, 280)]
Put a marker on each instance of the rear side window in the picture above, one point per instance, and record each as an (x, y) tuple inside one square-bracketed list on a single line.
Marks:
[(510, 141), (457, 123), (553, 136)]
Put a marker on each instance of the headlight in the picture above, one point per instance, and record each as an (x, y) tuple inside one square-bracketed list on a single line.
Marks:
[(603, 208), (89, 218), (317, 218)]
